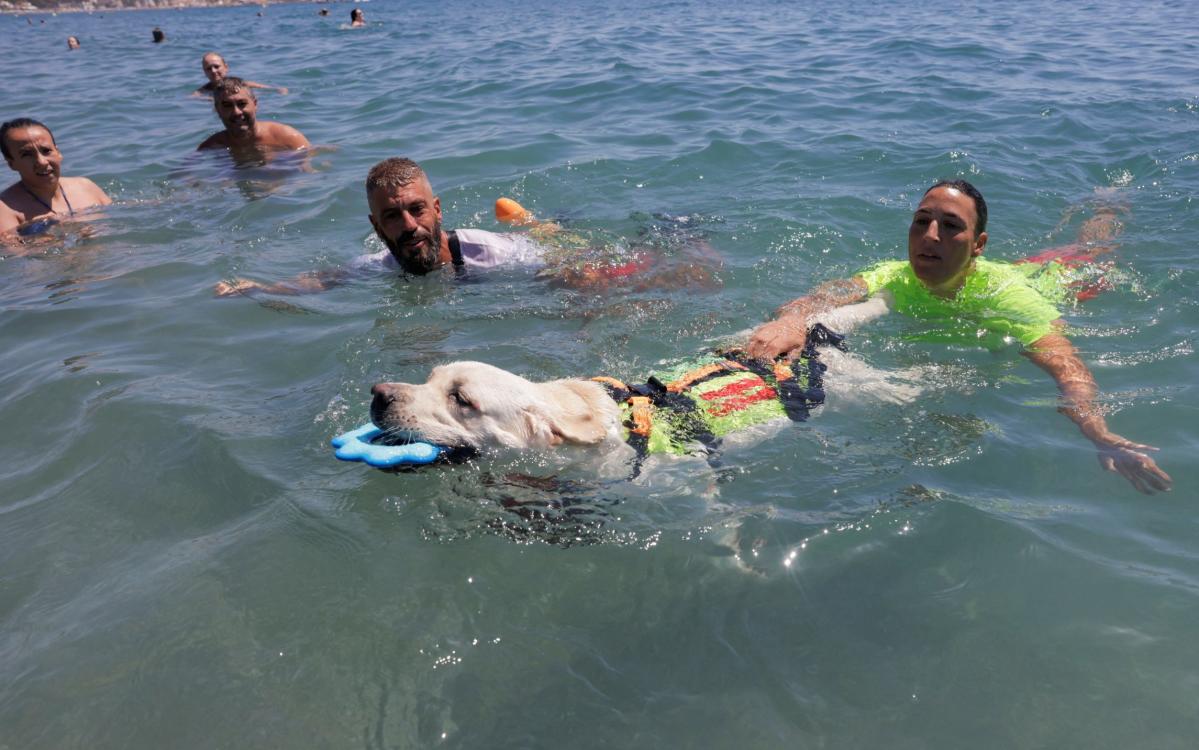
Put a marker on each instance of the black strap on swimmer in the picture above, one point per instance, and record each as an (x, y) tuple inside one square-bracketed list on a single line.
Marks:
[(36, 197), (820, 336), (456, 251)]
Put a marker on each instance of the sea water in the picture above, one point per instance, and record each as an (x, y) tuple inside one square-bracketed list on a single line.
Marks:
[(184, 564)]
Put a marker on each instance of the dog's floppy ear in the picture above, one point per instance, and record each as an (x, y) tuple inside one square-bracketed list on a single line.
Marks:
[(573, 411)]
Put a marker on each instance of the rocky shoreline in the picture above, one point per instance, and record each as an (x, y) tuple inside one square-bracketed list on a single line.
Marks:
[(89, 6)]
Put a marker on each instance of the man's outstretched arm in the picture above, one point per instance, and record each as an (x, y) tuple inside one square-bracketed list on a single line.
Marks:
[(789, 329), (1054, 354), (267, 86), (305, 283)]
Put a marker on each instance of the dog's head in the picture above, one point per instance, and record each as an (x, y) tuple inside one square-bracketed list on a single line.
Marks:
[(475, 405)]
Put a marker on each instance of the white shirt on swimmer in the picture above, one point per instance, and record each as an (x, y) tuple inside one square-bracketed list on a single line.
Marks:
[(480, 249)]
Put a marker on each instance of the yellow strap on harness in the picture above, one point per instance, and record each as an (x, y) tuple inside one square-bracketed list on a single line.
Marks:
[(610, 381), (691, 378), (641, 414)]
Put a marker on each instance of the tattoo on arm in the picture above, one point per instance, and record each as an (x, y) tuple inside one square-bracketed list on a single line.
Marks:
[(828, 295)]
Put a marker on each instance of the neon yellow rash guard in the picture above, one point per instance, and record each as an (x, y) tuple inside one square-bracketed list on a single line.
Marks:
[(998, 301)]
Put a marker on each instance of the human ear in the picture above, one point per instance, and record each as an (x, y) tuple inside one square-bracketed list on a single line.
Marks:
[(378, 231), (979, 244)]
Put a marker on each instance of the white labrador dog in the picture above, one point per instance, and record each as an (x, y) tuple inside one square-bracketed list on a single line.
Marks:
[(478, 406)]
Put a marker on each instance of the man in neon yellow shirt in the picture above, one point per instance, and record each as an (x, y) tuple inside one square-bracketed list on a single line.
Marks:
[(946, 281)]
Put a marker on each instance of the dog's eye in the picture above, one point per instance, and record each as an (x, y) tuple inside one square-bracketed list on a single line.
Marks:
[(460, 399)]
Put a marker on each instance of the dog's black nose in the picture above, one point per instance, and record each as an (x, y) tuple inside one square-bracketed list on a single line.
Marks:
[(384, 395)]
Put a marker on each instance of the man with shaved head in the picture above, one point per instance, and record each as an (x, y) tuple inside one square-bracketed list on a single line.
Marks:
[(406, 216)]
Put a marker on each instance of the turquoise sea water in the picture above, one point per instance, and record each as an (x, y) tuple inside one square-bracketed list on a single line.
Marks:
[(183, 564)]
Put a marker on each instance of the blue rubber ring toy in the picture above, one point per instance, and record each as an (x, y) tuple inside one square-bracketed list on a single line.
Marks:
[(36, 227), (356, 445)]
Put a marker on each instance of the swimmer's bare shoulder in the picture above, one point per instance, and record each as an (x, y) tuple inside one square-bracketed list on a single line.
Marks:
[(278, 135), (10, 218), (216, 140), (84, 193)]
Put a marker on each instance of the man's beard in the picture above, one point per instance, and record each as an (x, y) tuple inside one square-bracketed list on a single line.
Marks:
[(418, 261)]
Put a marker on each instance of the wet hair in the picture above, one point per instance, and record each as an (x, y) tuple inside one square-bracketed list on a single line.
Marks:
[(159, 35), (980, 203), (20, 122), (392, 173), (355, 13), (229, 86)]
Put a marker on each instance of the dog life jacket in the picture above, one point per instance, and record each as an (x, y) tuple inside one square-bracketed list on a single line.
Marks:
[(726, 392)]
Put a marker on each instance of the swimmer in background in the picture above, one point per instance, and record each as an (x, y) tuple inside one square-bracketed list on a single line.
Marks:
[(72, 42), (323, 12), (245, 135), (961, 295), (216, 69), (406, 217), (357, 18), (42, 196), (158, 35)]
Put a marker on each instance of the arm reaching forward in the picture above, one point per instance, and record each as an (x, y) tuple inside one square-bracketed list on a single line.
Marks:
[(1054, 354), (789, 330), (306, 283)]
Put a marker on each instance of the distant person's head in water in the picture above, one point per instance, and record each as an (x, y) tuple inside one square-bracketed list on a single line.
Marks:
[(159, 35), (72, 42), (406, 215), (215, 68), (323, 12), (357, 17)]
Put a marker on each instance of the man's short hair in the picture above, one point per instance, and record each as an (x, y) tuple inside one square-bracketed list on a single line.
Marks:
[(230, 86), (393, 173), (980, 203), (20, 122)]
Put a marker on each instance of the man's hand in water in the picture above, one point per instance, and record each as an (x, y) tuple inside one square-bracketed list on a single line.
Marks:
[(788, 332), (772, 340), (306, 283), (1056, 355), (1128, 459), (237, 286)]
